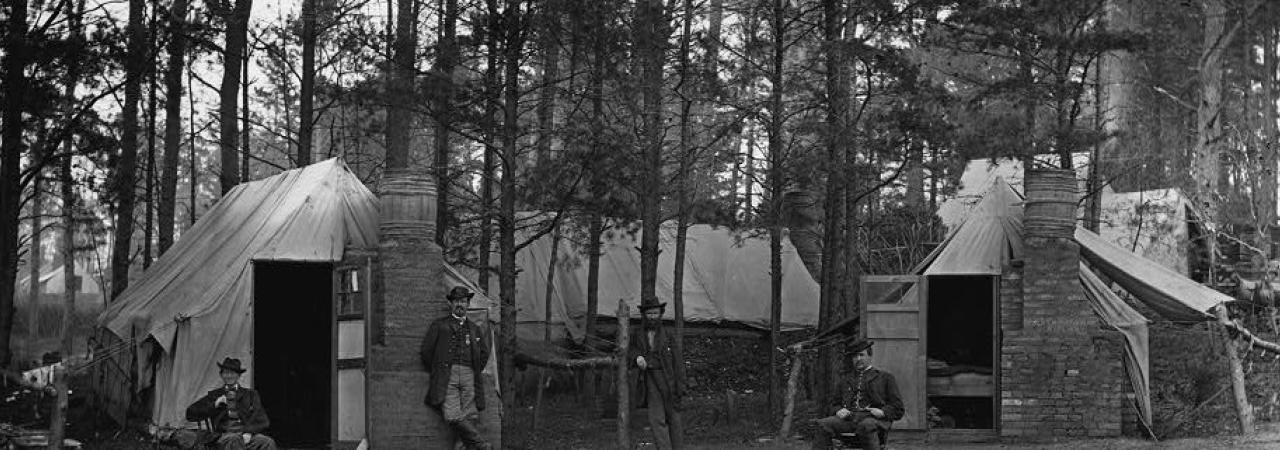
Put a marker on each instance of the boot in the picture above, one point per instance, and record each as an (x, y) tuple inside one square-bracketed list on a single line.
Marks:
[(470, 435)]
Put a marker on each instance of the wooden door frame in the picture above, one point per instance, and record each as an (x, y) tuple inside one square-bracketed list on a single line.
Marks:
[(921, 309)]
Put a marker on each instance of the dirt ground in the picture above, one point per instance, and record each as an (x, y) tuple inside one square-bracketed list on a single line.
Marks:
[(572, 424)]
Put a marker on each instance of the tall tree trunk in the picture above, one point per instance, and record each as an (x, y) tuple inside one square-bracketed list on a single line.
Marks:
[(11, 148), (749, 175), (550, 75), (1206, 165), (550, 291), (595, 233), (776, 185), (245, 150), (153, 52), (192, 159), (172, 123), (1267, 211), (915, 174), (686, 170), (126, 171), (237, 21), (650, 45), (493, 91), (599, 67), (512, 27), (400, 84), (71, 281), (444, 114), (36, 260), (1093, 185), (837, 88), (1119, 70), (306, 121)]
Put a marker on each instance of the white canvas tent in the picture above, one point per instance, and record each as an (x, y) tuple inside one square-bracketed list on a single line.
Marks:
[(726, 279), (195, 302)]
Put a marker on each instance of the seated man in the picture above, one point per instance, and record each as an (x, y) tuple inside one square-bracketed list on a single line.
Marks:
[(869, 402), (235, 411)]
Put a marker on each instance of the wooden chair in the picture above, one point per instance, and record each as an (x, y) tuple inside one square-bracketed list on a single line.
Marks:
[(850, 440)]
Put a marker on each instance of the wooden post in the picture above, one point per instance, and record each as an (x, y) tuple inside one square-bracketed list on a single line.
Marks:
[(624, 405), (792, 383), (537, 403), (59, 417), (1243, 409)]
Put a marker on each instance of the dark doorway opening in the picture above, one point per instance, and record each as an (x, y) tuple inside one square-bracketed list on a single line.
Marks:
[(961, 352), (292, 350)]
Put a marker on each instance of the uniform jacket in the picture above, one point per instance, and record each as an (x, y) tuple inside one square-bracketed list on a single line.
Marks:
[(879, 390), (660, 358), (247, 403), (435, 356)]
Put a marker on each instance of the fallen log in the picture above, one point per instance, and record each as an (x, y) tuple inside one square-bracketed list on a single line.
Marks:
[(567, 363), (1243, 334)]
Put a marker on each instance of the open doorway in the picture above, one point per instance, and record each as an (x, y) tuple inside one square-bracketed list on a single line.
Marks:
[(961, 352), (293, 350)]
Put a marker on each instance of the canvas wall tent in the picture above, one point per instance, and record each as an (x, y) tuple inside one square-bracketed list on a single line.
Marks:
[(197, 303), (726, 279), (969, 263)]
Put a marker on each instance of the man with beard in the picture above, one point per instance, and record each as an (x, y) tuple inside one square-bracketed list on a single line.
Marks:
[(658, 386), (235, 412), (455, 353), (868, 404)]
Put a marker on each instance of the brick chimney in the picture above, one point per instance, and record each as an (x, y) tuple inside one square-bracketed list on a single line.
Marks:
[(1061, 373), (408, 295)]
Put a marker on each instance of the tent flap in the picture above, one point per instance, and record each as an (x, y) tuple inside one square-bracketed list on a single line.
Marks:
[(1169, 293), (1117, 314)]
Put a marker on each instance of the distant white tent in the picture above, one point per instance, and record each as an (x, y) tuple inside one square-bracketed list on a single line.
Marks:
[(195, 302), (89, 296), (1151, 223), (726, 280)]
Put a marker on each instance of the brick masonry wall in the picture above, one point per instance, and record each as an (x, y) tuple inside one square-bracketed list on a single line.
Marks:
[(409, 295), (1061, 371)]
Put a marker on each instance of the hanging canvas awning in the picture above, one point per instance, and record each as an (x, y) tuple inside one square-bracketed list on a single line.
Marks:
[(1169, 293)]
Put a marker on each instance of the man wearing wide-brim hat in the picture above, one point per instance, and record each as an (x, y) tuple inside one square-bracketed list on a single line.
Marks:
[(235, 411), (869, 402), (455, 352), (658, 386)]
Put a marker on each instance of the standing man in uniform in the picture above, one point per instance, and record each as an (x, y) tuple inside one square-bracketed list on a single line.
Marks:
[(658, 385), (455, 352), (868, 404)]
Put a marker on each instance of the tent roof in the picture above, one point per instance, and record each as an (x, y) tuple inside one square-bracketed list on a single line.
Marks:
[(307, 214), (986, 239)]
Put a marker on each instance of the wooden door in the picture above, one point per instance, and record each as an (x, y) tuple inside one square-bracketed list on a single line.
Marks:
[(351, 345), (893, 316)]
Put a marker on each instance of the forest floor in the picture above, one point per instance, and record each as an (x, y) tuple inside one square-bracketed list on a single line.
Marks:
[(570, 424)]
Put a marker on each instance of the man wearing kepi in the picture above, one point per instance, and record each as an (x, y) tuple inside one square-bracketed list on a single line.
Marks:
[(455, 353), (868, 404), (235, 411), (658, 386)]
